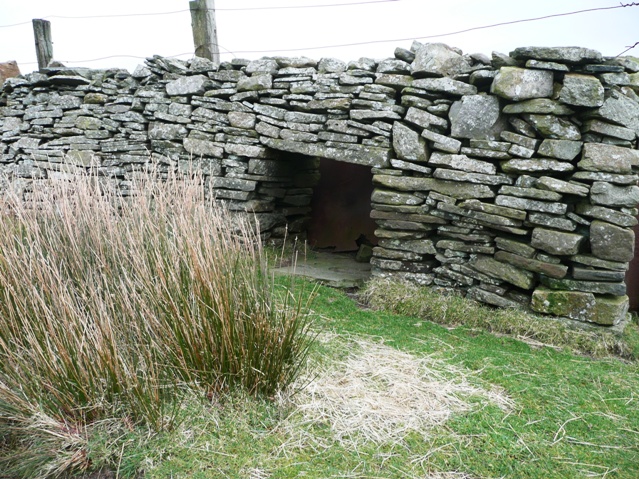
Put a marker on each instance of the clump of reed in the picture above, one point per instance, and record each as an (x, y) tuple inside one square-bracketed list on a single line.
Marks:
[(117, 307)]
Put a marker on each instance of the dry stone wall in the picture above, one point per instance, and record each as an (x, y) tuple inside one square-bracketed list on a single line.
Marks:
[(511, 178)]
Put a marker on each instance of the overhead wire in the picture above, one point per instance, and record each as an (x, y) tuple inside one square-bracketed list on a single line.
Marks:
[(120, 15), (628, 48), (440, 35), (108, 57), (285, 7), (369, 42)]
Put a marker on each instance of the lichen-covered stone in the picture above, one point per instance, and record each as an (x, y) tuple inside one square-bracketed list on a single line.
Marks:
[(560, 149), (536, 165), (544, 65), (551, 221), (531, 204), (571, 304), (462, 163), (82, 158), (620, 109), (608, 158), (517, 139), (188, 85), (582, 90), (529, 264), (518, 84), (608, 129), (240, 119), (255, 83), (606, 194), (95, 98), (542, 106), (611, 242), (358, 154), (445, 85), (482, 295), (449, 188), (390, 197), (556, 242), (595, 262), (422, 246), (166, 131), (590, 274), (608, 215), (477, 117), (497, 179), (424, 119), (571, 55), (386, 253), (485, 218), (203, 148), (263, 66), (516, 247), (609, 310), (597, 287), (331, 65), (393, 65), (233, 184), (394, 80), (527, 192), (438, 59), (408, 144), (490, 154), (251, 151), (560, 186), (88, 123), (505, 272), (465, 247), (410, 166), (477, 205), (608, 177), (442, 142), (550, 126)]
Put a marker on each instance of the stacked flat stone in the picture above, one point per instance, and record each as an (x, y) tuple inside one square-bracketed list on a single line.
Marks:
[(511, 178), (232, 123), (518, 179)]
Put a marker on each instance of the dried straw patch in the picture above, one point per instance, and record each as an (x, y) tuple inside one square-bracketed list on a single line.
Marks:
[(380, 394)]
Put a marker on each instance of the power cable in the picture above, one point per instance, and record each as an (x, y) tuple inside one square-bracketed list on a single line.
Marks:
[(84, 17), (110, 56), (304, 6), (483, 27), (628, 48)]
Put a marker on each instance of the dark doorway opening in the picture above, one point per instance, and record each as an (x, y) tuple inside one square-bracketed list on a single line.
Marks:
[(341, 207)]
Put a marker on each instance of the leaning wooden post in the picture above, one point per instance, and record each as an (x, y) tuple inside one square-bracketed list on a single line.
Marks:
[(43, 43), (204, 29)]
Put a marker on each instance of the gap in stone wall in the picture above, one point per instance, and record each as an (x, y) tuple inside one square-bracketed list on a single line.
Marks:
[(512, 179), (341, 207)]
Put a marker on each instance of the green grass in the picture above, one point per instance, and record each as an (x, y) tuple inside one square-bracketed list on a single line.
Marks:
[(572, 416), (451, 309), (159, 347)]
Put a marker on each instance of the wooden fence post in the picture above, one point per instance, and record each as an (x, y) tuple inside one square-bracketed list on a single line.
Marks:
[(43, 43), (204, 29)]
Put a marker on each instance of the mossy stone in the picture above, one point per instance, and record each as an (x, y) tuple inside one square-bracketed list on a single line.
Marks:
[(609, 310), (571, 304)]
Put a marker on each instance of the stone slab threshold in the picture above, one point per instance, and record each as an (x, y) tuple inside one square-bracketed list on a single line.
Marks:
[(337, 270)]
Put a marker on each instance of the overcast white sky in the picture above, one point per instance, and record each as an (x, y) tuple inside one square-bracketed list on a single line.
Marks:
[(250, 33)]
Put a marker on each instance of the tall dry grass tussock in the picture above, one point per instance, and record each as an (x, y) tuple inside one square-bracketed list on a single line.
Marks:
[(114, 307)]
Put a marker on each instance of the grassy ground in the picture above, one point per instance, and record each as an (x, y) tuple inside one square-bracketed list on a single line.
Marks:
[(508, 408)]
